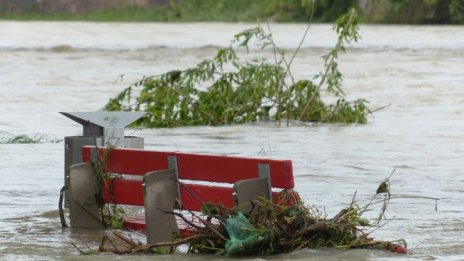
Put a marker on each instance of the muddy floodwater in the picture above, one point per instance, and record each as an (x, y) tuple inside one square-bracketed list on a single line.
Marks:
[(415, 72)]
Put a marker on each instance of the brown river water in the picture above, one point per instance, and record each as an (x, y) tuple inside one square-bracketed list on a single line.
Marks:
[(416, 71)]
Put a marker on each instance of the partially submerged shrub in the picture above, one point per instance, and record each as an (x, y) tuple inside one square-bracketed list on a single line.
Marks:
[(229, 90), (10, 138)]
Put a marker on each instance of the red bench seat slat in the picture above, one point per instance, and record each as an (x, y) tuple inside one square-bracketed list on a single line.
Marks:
[(212, 168), (130, 192), (131, 162), (193, 196), (123, 191), (232, 169)]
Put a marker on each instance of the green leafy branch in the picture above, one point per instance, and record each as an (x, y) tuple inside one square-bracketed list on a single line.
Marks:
[(227, 89)]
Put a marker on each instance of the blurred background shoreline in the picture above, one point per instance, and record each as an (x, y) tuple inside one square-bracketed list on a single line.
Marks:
[(371, 11)]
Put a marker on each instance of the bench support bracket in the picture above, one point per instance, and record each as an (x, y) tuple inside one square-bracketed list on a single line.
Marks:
[(248, 191), (159, 199), (172, 164), (83, 189), (265, 173)]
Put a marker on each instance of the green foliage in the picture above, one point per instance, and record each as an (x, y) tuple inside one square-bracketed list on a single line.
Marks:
[(112, 215), (456, 10), (206, 10), (329, 10), (251, 11), (417, 11), (130, 13), (373, 11), (230, 90), (9, 138)]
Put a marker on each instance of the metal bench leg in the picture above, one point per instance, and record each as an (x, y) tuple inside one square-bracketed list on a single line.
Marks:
[(248, 191), (83, 188), (160, 194)]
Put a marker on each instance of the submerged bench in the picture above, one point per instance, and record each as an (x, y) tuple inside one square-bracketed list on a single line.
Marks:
[(168, 180)]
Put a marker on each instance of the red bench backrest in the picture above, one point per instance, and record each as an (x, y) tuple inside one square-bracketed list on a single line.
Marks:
[(195, 167)]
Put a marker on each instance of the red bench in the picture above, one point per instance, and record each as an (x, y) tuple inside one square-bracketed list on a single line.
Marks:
[(197, 179)]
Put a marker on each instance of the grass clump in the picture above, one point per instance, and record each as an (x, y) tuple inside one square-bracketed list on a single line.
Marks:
[(10, 138)]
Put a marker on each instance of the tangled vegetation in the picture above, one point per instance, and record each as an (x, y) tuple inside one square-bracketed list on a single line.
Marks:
[(230, 90), (112, 215), (268, 229)]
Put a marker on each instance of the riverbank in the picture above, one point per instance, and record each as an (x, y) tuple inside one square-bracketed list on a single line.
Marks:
[(371, 11)]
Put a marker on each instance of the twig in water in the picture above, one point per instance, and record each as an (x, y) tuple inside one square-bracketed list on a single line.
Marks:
[(78, 249), (182, 217), (303, 38), (379, 108), (173, 243)]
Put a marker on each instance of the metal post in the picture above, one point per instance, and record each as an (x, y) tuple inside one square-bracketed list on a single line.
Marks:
[(100, 129)]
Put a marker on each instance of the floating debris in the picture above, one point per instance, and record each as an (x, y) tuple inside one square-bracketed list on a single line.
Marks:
[(266, 229)]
